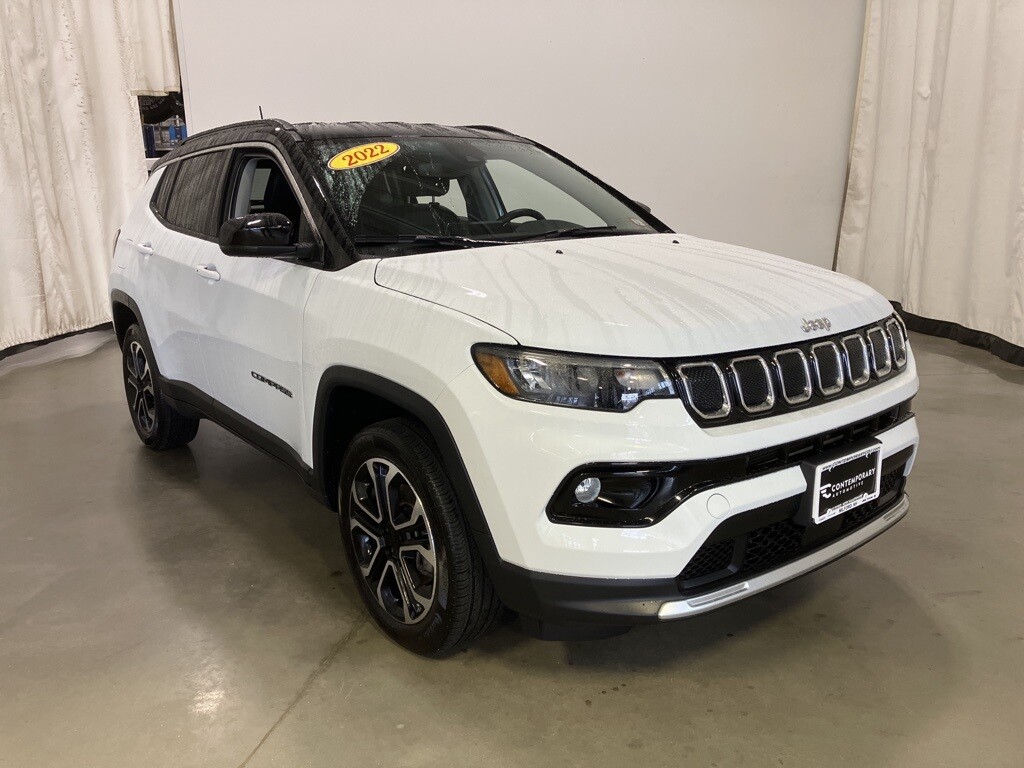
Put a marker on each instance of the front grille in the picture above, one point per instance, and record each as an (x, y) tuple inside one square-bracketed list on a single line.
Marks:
[(705, 389), (794, 376), (899, 344), (828, 368), (767, 537), (753, 383), (855, 354), (881, 356), (760, 383)]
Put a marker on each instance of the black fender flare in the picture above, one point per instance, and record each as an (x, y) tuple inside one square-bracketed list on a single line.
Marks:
[(416, 405), (120, 297)]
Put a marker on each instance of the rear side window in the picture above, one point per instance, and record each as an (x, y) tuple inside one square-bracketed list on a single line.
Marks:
[(163, 189), (195, 197)]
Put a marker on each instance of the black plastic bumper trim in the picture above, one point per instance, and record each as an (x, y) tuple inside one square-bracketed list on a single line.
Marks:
[(573, 600)]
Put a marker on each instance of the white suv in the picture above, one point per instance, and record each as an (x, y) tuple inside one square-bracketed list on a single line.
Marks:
[(514, 384)]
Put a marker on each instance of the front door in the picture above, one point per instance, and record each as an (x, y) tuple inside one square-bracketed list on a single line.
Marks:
[(252, 309)]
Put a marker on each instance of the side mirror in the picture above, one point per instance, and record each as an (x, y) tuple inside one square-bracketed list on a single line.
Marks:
[(260, 234), (642, 205)]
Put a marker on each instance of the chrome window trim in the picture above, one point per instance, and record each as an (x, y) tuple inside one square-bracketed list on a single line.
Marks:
[(283, 161), (840, 383), (890, 325), (726, 408), (808, 383), (769, 401), (879, 371), (864, 355)]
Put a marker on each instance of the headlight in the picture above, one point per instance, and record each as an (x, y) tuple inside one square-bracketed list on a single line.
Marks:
[(576, 381)]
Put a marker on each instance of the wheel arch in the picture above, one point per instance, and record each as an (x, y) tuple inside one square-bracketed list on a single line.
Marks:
[(349, 399), (124, 312)]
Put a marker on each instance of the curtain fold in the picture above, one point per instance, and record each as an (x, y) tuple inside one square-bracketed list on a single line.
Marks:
[(934, 212), (71, 154)]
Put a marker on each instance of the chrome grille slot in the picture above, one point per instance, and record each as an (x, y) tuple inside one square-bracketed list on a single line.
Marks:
[(753, 383), (706, 390), (881, 359), (899, 342), (828, 368), (757, 383), (855, 357), (794, 375)]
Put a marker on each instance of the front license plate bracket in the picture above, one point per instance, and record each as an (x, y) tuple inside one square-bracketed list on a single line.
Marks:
[(841, 481)]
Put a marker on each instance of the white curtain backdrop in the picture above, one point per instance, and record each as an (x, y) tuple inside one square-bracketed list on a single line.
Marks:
[(934, 215), (71, 153)]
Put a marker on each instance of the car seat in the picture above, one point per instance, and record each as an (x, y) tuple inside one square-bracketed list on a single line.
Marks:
[(389, 205)]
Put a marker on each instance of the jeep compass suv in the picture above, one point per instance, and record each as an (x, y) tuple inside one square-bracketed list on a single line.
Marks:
[(514, 384)]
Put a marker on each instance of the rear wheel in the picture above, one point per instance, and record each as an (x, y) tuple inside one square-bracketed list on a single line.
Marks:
[(411, 553), (158, 425)]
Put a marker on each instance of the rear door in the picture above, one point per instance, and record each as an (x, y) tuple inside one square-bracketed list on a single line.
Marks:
[(251, 315), (182, 217)]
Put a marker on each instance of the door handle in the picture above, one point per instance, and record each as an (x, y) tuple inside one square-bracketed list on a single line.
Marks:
[(208, 271), (146, 248)]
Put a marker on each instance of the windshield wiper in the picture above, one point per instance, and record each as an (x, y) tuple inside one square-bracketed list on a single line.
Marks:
[(424, 240), (566, 232)]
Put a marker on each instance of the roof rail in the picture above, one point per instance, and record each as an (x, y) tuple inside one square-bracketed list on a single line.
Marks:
[(494, 128), (266, 122)]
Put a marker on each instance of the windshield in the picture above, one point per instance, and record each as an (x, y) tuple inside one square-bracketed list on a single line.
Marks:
[(447, 191)]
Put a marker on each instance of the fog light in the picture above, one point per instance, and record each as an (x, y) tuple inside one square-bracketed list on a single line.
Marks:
[(588, 490), (621, 496)]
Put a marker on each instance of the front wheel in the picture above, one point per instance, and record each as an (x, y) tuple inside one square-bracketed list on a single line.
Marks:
[(411, 553)]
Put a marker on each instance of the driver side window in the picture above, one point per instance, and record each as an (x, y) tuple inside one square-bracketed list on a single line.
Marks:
[(261, 186)]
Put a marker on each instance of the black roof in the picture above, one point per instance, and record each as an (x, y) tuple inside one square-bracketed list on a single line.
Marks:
[(285, 134), (251, 129), (356, 130)]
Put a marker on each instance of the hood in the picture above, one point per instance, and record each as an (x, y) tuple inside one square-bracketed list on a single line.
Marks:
[(637, 295)]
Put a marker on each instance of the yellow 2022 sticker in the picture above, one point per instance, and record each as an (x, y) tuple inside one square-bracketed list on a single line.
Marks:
[(362, 155)]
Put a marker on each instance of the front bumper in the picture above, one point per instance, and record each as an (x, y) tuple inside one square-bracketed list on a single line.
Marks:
[(567, 600)]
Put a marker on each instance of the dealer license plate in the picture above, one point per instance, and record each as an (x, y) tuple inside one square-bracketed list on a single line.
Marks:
[(847, 482)]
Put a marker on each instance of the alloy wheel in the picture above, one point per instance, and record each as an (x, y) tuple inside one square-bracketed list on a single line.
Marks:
[(392, 540), (139, 378)]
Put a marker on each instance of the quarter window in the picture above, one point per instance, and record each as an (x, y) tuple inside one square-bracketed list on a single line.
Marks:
[(163, 190)]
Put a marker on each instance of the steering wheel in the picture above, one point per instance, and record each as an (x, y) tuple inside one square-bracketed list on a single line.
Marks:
[(508, 217)]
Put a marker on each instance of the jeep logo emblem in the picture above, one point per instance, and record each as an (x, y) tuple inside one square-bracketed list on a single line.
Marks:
[(816, 324)]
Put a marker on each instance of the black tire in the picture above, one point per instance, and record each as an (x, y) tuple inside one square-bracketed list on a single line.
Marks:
[(463, 603), (158, 425)]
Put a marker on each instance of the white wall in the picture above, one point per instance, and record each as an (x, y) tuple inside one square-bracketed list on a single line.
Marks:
[(730, 118)]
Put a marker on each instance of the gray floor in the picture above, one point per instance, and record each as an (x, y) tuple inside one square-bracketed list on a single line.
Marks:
[(192, 609)]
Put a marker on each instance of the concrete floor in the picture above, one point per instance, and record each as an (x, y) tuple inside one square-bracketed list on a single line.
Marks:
[(192, 608)]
